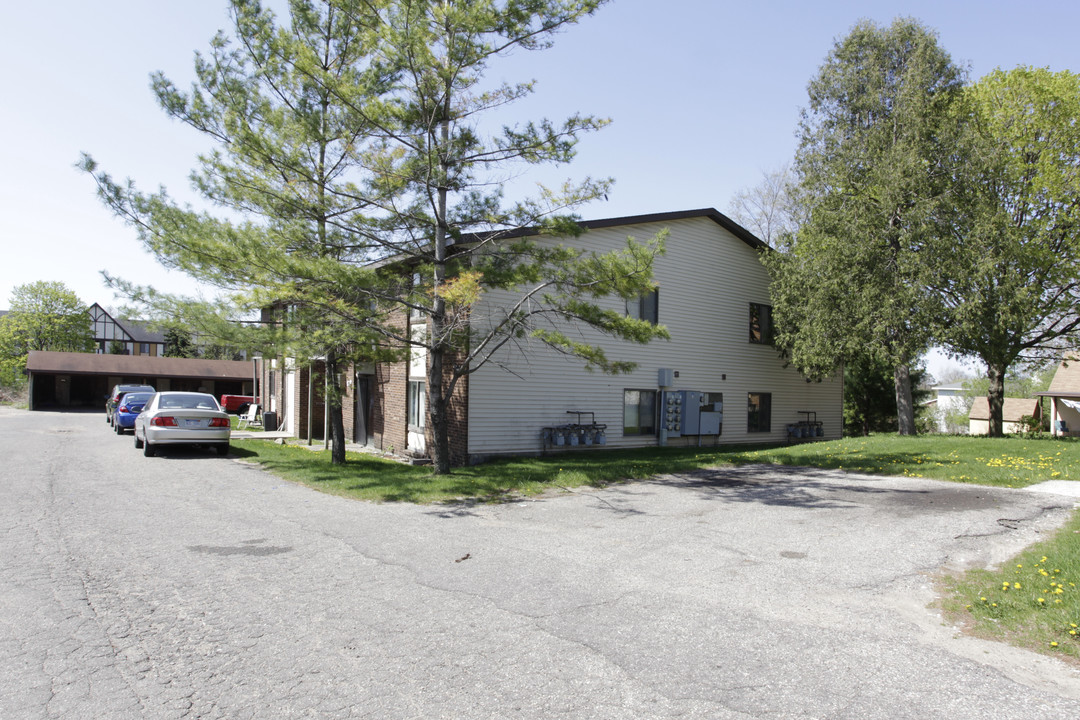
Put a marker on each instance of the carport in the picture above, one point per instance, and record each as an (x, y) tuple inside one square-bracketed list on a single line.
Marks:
[(83, 380)]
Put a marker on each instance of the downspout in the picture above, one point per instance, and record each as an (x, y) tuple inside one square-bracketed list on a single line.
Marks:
[(310, 380)]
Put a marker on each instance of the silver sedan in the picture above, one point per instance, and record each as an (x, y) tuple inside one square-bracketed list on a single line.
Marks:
[(182, 418)]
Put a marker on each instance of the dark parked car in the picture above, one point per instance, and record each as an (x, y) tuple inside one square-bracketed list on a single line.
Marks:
[(117, 393), (129, 407)]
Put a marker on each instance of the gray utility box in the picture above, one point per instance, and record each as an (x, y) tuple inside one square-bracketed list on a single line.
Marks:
[(692, 401), (710, 423), (685, 412)]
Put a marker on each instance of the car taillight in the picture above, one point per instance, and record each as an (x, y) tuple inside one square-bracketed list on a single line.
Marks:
[(164, 421), (123, 408), (219, 422)]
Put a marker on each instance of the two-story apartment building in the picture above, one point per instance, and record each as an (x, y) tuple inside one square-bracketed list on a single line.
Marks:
[(718, 380)]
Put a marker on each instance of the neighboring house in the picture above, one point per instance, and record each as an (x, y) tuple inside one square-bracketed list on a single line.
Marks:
[(1064, 394), (949, 401), (1012, 411), (133, 337), (713, 296)]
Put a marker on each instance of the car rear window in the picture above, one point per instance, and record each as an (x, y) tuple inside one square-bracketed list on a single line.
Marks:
[(187, 401), (136, 398)]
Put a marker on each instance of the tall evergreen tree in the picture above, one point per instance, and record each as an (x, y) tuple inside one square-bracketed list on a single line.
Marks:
[(353, 145), (873, 166)]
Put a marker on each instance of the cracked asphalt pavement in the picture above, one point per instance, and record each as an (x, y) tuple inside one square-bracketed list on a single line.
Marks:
[(192, 586)]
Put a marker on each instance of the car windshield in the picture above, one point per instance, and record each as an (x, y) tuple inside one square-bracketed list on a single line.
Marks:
[(187, 401)]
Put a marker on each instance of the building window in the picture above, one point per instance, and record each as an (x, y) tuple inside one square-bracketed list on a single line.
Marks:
[(645, 307), (416, 313), (761, 327), (144, 348), (417, 403), (758, 412), (639, 412)]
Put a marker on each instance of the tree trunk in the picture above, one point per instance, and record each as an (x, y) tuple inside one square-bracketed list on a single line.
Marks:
[(437, 399), (337, 419), (905, 409), (996, 398), (440, 422)]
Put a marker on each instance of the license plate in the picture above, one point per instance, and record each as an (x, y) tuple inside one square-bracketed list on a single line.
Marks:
[(193, 423)]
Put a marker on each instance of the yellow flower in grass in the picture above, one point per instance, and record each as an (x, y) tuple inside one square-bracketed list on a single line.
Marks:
[(1053, 643), (1042, 601)]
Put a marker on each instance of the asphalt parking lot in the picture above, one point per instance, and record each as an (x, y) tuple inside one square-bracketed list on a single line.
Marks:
[(195, 586)]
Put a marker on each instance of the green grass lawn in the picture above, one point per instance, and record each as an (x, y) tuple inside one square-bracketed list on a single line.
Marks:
[(1006, 462), (369, 477), (1003, 462), (1031, 601)]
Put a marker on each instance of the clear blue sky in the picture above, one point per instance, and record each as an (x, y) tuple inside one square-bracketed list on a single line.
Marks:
[(703, 95)]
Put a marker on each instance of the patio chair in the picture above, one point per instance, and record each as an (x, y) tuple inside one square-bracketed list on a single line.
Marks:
[(251, 418)]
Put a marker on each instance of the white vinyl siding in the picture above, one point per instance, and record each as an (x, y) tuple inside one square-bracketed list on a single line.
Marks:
[(707, 280)]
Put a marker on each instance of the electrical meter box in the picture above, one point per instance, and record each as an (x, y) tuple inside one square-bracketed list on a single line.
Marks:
[(671, 413), (688, 412)]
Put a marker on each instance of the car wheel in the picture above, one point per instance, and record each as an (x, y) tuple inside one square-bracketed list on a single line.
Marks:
[(138, 442), (223, 450), (148, 450), (119, 428)]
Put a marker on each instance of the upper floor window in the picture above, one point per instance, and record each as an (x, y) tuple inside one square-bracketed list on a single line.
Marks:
[(645, 307), (761, 327), (416, 313)]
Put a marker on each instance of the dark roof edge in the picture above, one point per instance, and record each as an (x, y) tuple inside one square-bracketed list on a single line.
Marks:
[(710, 213)]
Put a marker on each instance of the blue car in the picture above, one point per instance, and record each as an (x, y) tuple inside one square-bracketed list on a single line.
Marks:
[(127, 410)]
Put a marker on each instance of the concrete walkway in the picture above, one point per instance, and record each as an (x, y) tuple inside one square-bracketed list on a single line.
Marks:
[(1071, 488)]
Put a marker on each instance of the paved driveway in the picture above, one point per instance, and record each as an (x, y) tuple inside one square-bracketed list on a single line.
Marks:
[(196, 586)]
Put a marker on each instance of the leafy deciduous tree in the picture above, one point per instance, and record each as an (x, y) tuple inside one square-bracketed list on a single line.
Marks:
[(770, 209), (872, 165), (1008, 261), (43, 316)]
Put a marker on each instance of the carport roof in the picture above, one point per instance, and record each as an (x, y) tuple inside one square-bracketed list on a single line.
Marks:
[(69, 363)]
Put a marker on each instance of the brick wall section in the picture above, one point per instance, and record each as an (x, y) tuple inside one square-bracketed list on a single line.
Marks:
[(389, 412)]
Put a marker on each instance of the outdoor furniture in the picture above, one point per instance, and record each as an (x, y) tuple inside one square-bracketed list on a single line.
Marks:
[(251, 418)]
